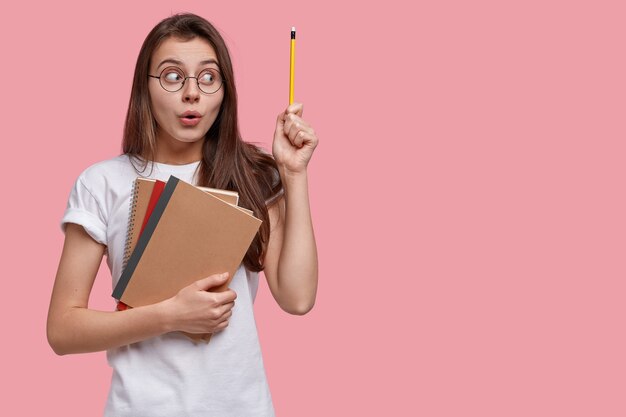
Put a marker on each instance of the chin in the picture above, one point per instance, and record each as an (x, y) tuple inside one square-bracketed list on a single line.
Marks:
[(189, 137), (190, 140)]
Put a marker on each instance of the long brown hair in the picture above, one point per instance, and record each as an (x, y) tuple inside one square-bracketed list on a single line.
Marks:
[(227, 161)]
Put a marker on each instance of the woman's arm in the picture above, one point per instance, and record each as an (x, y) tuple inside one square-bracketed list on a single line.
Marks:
[(73, 328), (291, 258)]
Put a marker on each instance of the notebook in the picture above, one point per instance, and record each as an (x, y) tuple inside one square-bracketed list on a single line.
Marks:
[(143, 189)]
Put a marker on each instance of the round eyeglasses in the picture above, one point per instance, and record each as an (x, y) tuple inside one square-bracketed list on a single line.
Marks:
[(172, 79)]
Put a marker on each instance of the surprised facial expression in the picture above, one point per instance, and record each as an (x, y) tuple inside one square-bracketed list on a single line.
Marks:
[(184, 113)]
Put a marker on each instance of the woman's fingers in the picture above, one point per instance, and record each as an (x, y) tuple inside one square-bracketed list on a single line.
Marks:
[(225, 297), (223, 321), (297, 130), (295, 108), (301, 135), (220, 326), (292, 120), (294, 139), (226, 310), (198, 310)]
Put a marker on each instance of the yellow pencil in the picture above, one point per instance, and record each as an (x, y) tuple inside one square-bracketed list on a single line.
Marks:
[(292, 63)]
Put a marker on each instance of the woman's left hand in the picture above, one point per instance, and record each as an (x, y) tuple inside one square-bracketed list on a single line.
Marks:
[(294, 140)]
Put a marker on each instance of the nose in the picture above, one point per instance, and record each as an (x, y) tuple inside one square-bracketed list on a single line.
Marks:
[(191, 92)]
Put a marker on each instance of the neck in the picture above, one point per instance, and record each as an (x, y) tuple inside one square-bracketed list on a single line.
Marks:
[(175, 152)]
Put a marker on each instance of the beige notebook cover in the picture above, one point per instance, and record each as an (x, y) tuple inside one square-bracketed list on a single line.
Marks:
[(190, 235), (142, 190)]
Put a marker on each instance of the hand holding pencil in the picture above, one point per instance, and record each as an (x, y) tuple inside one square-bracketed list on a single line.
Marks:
[(294, 138)]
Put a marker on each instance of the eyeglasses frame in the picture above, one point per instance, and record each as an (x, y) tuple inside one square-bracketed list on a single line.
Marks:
[(222, 79)]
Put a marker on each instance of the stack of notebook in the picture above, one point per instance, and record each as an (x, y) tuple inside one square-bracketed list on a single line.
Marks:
[(177, 234)]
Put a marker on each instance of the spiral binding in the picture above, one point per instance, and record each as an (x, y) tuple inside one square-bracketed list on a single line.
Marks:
[(131, 223)]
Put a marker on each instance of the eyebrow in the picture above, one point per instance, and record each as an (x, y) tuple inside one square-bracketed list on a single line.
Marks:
[(175, 61)]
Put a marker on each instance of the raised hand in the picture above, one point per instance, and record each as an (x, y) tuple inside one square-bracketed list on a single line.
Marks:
[(294, 140)]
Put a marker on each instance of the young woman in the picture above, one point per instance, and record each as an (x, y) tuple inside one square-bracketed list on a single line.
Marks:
[(182, 121)]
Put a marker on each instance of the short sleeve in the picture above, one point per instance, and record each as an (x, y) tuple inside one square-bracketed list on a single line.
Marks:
[(83, 209)]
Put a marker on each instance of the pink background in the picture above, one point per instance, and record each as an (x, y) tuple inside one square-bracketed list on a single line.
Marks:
[(467, 194)]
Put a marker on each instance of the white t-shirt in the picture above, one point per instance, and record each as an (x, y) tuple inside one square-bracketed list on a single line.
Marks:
[(170, 375)]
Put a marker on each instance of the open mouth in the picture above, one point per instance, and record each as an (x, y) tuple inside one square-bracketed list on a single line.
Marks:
[(190, 120)]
